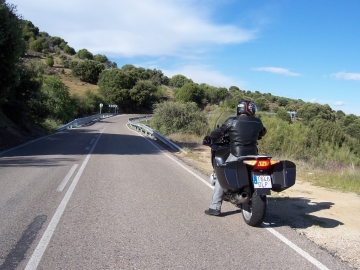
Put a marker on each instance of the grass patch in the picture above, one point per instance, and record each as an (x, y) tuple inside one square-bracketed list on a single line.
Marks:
[(347, 179), (51, 125), (76, 86)]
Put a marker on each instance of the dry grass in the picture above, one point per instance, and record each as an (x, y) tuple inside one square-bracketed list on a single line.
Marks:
[(76, 86)]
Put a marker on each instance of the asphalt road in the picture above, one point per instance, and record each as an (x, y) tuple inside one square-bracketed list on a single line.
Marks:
[(104, 197)]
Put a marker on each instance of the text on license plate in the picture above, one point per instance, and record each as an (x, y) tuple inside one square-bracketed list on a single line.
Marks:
[(262, 181)]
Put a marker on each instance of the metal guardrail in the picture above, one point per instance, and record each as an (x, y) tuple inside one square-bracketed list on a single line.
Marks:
[(83, 121), (134, 123)]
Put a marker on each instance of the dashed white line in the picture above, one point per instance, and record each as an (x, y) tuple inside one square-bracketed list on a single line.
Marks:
[(45, 239), (66, 179)]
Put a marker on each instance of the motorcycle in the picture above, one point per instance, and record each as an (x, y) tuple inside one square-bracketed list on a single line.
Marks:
[(247, 181)]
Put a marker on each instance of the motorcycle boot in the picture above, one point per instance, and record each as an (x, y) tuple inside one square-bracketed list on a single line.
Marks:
[(212, 212)]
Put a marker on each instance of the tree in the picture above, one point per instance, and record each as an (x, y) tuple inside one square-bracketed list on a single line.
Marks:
[(143, 95), (262, 104), (349, 119), (234, 89), (85, 54), (29, 30), (282, 102), (12, 46), (100, 58), (353, 129), (88, 70), (339, 114), (179, 80), (283, 115), (24, 103), (214, 95), (114, 86), (59, 103), (311, 111), (56, 41), (69, 50), (190, 92), (39, 44), (165, 80)]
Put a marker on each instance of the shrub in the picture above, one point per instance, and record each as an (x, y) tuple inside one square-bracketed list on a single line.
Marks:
[(49, 61), (190, 92), (85, 54), (179, 80), (179, 117), (69, 50), (283, 115)]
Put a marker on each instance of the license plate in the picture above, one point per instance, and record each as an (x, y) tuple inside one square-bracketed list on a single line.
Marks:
[(262, 181)]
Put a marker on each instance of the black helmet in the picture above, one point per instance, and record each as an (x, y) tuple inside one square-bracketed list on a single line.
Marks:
[(246, 107)]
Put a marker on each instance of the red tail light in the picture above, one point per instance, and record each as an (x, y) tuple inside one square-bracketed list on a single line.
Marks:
[(261, 164)]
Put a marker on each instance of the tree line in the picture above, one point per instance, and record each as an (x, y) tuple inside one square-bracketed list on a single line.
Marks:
[(32, 92)]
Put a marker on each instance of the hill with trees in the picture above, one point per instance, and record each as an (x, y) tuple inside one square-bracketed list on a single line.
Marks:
[(45, 83)]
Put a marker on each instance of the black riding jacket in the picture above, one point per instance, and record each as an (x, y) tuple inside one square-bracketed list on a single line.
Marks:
[(244, 132)]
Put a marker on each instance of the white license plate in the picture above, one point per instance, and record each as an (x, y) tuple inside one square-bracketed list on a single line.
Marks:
[(262, 181)]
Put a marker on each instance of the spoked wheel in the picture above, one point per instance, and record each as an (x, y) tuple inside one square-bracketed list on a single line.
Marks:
[(254, 211)]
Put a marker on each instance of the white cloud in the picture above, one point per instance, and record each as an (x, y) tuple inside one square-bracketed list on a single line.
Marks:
[(346, 76), (276, 70), (121, 28), (204, 74), (339, 103)]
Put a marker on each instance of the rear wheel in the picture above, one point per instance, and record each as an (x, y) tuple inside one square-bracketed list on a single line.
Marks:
[(254, 211)]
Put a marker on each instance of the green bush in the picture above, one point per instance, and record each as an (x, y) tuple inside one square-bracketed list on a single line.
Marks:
[(12, 46), (85, 54), (58, 101), (49, 61), (69, 50), (179, 117), (36, 45), (179, 80), (283, 115), (190, 92)]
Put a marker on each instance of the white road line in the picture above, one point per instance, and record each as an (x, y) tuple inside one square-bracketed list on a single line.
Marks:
[(92, 141), (66, 179), (296, 248), (274, 232), (45, 239)]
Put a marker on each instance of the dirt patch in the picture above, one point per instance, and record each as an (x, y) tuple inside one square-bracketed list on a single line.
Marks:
[(329, 218)]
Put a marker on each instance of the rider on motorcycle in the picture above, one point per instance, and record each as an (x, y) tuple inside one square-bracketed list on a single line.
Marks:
[(244, 131)]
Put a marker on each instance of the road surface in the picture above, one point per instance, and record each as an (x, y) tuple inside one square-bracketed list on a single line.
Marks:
[(105, 197)]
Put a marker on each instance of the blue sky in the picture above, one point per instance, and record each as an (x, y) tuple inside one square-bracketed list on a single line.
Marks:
[(300, 49)]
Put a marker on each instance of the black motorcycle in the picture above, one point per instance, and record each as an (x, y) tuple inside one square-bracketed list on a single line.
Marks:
[(248, 180)]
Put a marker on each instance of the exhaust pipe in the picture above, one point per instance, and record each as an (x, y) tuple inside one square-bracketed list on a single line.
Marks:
[(239, 198)]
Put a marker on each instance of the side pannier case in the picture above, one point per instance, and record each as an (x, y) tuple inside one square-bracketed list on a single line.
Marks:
[(284, 175)]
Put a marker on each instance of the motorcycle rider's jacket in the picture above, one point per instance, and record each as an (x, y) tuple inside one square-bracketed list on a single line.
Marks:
[(244, 131)]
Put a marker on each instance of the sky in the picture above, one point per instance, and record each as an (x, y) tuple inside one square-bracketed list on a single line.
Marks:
[(299, 49)]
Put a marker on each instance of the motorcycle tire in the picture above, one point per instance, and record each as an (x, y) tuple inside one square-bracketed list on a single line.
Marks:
[(254, 211)]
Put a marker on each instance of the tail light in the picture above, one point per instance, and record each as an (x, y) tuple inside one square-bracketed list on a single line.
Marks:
[(261, 164)]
